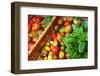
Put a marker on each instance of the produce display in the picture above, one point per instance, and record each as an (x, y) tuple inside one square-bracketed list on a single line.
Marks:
[(69, 39), (36, 26)]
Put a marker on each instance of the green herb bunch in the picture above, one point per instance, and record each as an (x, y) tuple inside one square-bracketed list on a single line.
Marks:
[(77, 42)]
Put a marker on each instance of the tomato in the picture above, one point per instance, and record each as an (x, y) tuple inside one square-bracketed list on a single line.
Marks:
[(53, 36), (66, 56), (35, 26), (60, 21), (39, 19), (35, 39), (61, 54), (77, 21), (56, 27), (55, 57), (68, 29), (55, 50), (34, 19), (42, 42), (51, 47), (30, 45), (66, 23), (59, 36), (69, 18), (29, 27)]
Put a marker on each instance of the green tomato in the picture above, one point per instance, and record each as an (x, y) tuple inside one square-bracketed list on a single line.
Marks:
[(47, 48), (48, 44), (62, 48), (55, 43), (62, 30), (50, 57), (77, 21), (51, 42)]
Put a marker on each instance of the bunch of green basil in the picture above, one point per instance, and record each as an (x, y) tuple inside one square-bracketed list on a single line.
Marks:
[(77, 42)]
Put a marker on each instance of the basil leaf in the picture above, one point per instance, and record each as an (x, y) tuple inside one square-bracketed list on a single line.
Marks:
[(70, 39), (81, 47), (47, 21), (85, 25), (70, 52)]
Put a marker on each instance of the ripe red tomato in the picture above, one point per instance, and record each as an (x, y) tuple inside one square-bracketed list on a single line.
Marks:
[(39, 19), (35, 26), (53, 36), (34, 19), (55, 50)]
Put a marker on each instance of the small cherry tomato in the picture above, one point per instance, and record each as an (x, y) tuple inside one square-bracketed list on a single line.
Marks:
[(59, 36), (56, 50), (69, 18), (66, 55), (35, 26), (66, 23), (53, 36), (39, 19)]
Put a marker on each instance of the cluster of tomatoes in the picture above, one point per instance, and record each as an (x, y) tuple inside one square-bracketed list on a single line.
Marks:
[(34, 29), (55, 49)]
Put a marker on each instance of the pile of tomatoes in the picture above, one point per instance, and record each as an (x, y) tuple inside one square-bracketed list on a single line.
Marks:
[(34, 29), (55, 48)]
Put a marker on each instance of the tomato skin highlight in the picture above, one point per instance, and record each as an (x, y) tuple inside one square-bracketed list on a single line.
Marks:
[(55, 50), (35, 26), (53, 36), (66, 23)]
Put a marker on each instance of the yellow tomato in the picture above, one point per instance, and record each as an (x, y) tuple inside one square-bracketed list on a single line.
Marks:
[(68, 29), (61, 55)]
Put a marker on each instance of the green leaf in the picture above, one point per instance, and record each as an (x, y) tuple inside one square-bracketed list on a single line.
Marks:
[(76, 55), (70, 39), (47, 21), (81, 47), (85, 24), (77, 42), (61, 30), (64, 41), (70, 52), (86, 36)]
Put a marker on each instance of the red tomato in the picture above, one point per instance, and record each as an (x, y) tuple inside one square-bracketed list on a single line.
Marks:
[(53, 36), (59, 36), (42, 42), (34, 19), (35, 26), (39, 19), (29, 27), (55, 50), (66, 56), (66, 23), (30, 45)]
